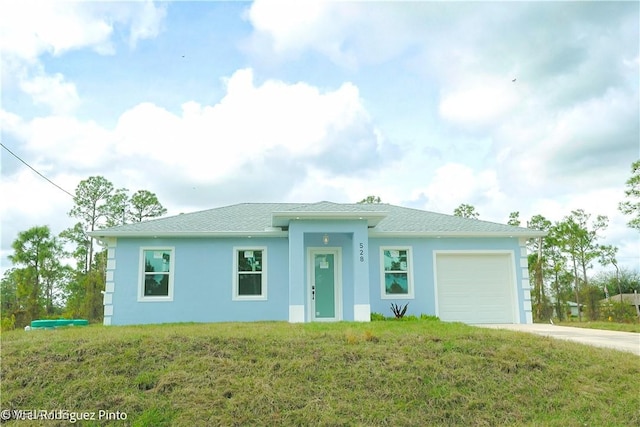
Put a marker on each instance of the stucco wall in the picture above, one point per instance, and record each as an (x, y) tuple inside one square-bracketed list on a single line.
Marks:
[(423, 271), (203, 277)]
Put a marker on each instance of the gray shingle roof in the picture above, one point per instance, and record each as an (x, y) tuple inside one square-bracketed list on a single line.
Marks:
[(259, 218)]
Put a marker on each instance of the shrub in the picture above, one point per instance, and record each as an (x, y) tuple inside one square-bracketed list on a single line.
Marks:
[(377, 317), (8, 323), (618, 312)]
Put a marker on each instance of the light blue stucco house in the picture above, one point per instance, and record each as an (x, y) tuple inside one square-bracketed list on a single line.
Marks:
[(307, 262)]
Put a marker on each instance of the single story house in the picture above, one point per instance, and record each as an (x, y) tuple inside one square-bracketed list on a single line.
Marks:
[(306, 262), (628, 299)]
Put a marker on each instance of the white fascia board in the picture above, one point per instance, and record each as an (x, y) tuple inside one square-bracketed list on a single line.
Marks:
[(281, 219), (105, 234), (457, 234)]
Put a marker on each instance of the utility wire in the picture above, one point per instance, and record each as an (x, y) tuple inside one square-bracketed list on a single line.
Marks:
[(30, 167)]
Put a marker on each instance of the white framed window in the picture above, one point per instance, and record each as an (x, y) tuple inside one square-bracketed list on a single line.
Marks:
[(250, 273), (156, 274), (396, 272)]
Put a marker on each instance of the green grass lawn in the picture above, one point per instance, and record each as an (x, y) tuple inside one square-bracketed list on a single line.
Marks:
[(611, 326), (421, 373)]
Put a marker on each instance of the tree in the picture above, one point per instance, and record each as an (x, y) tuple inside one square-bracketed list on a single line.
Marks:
[(9, 306), (578, 240), (582, 238), (466, 211), (39, 253), (536, 262), (370, 200), (116, 207), (557, 263), (8, 287), (96, 206), (514, 219), (608, 256), (632, 205), (144, 204), (625, 281), (80, 239)]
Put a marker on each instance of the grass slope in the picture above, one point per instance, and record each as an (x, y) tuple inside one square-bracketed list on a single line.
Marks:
[(395, 373)]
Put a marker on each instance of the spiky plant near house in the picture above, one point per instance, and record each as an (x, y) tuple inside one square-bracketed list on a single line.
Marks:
[(398, 311)]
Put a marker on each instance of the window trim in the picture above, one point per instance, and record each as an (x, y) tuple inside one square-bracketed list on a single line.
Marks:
[(235, 296), (141, 275), (383, 289)]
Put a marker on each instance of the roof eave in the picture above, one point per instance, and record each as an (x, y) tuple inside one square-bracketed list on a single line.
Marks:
[(282, 219), (201, 234), (457, 234)]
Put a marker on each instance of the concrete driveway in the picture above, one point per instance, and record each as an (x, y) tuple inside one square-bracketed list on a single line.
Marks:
[(623, 341)]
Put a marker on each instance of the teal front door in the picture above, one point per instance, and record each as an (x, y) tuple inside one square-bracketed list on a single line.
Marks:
[(325, 289)]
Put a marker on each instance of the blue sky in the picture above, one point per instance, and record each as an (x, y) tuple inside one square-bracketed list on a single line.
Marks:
[(213, 103)]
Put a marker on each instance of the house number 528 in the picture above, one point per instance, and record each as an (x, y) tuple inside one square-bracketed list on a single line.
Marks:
[(361, 252)]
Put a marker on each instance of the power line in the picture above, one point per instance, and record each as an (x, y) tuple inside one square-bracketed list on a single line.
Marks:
[(30, 167)]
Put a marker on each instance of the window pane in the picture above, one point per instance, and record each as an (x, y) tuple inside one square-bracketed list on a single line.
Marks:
[(157, 261), (249, 260), (396, 283), (395, 260), (249, 284), (156, 284)]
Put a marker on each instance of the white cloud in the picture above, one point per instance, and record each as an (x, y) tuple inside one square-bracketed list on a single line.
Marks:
[(53, 91), (209, 144), (146, 21), (291, 24), (31, 28), (483, 103), (29, 200), (345, 32), (206, 143), (454, 184), (65, 141)]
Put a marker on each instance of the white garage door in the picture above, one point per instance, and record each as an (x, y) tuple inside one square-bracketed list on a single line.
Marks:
[(475, 287)]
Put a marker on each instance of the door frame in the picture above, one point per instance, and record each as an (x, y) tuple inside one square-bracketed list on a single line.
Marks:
[(336, 251)]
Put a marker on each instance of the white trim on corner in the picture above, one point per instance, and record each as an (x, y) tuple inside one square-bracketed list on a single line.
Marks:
[(106, 321), (383, 291), (296, 313), (362, 312), (141, 274), (514, 278), (529, 317), (235, 272)]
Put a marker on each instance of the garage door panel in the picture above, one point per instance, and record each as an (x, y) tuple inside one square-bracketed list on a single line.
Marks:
[(475, 288)]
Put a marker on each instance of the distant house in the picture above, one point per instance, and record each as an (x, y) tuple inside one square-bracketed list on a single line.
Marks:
[(573, 308), (307, 262), (628, 299), (568, 308)]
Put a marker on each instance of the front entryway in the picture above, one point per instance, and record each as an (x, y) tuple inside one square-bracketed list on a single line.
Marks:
[(325, 271)]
